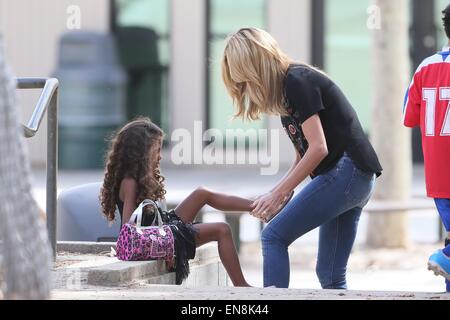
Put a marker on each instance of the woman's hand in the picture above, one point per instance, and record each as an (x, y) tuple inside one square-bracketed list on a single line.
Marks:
[(266, 204)]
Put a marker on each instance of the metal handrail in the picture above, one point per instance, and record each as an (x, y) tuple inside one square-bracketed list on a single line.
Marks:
[(50, 86), (47, 103)]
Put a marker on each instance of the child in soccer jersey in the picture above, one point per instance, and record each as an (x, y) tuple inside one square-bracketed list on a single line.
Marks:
[(427, 104)]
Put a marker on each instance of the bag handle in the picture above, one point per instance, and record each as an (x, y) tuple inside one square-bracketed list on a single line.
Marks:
[(137, 214)]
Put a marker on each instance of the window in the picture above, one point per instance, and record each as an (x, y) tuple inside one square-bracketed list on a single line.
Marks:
[(347, 48), (142, 29), (225, 17)]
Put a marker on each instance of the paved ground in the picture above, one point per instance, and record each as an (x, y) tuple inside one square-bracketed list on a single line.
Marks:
[(368, 270), (159, 292)]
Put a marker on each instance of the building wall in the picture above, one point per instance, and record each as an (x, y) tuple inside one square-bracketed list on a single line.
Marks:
[(289, 22), (187, 77), (31, 30)]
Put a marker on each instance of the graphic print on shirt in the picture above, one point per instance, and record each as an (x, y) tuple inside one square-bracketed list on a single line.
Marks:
[(295, 134)]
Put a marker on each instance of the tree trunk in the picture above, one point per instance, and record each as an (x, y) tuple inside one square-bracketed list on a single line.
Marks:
[(390, 60), (26, 251)]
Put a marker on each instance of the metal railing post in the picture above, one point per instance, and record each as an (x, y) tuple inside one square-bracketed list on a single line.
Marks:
[(52, 169), (48, 102)]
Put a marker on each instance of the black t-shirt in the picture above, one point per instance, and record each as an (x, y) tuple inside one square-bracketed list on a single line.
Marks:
[(309, 92)]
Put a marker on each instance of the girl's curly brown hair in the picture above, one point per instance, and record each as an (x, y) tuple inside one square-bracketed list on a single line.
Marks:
[(135, 153)]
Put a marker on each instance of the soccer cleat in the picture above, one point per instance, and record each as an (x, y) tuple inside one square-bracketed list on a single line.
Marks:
[(439, 263)]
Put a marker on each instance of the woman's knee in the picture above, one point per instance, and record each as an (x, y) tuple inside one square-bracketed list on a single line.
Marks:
[(269, 236)]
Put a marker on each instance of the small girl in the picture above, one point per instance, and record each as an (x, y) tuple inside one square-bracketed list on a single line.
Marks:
[(132, 174)]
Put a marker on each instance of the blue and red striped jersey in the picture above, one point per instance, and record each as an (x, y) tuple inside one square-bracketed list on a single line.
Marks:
[(427, 104)]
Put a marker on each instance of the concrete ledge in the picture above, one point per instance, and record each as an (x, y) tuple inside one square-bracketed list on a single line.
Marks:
[(206, 274), (167, 278), (206, 269), (123, 272), (85, 247)]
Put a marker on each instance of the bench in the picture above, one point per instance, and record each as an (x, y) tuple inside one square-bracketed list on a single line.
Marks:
[(374, 207), (411, 205)]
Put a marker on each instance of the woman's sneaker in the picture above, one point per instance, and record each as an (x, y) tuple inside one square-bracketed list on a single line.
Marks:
[(439, 263)]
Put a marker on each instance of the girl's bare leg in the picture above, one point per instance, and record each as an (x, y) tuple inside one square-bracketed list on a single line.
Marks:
[(189, 208), (221, 233)]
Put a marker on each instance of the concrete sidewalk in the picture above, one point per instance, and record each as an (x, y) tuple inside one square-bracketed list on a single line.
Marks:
[(368, 269), (158, 292), (88, 267)]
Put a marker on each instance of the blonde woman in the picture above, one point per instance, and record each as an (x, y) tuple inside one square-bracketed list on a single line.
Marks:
[(331, 147)]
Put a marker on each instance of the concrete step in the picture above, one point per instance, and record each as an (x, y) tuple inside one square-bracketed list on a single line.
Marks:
[(210, 273), (95, 268), (85, 247), (124, 272), (167, 278)]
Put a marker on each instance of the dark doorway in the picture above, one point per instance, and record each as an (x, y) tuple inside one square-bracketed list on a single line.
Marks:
[(423, 44)]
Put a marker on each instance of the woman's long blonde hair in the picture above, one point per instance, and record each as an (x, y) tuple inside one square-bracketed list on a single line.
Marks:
[(253, 70)]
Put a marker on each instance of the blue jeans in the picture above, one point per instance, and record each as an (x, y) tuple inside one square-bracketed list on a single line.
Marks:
[(334, 202)]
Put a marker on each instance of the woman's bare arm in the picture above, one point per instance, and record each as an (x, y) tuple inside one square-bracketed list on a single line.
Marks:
[(317, 151), (293, 165)]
